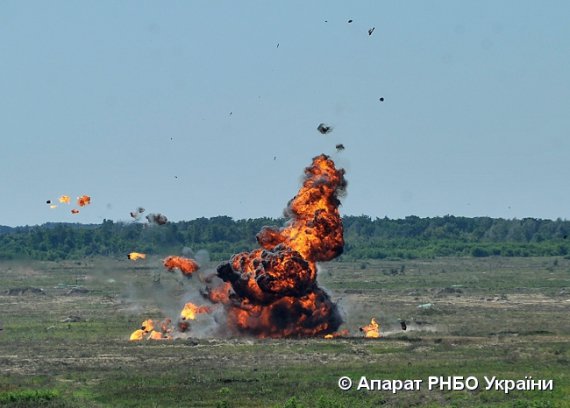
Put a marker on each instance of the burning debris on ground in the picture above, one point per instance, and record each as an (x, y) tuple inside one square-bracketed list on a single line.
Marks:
[(371, 330), (275, 293), (158, 219), (324, 129)]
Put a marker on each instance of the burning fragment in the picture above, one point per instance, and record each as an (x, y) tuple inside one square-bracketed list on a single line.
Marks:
[(133, 256), (275, 288), (324, 129), (53, 206), (371, 30), (65, 199), (342, 333), (186, 265), (146, 327), (190, 311), (154, 335), (157, 219), (340, 147), (75, 211), (137, 335), (83, 200), (371, 330)]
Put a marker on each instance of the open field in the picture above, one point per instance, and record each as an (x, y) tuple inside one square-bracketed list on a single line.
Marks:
[(503, 317)]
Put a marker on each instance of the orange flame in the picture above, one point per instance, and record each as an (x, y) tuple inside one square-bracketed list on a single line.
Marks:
[(137, 335), (341, 333), (65, 199), (276, 294), (83, 200), (190, 311), (154, 335), (186, 265), (136, 255), (371, 330), (220, 294), (147, 325)]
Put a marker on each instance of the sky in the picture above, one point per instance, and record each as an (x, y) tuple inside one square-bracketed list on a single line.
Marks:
[(206, 108)]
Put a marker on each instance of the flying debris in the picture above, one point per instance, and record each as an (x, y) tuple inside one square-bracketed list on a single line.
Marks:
[(381, 99), (324, 129), (186, 265), (277, 45), (349, 21), (133, 256), (371, 30), (53, 206), (75, 211), (83, 200), (340, 147), (403, 324), (48, 201), (136, 213), (65, 199), (158, 219)]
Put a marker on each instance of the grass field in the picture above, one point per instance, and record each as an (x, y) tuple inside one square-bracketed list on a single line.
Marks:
[(503, 317)]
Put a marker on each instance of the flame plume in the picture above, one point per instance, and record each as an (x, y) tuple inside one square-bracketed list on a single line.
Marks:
[(275, 288)]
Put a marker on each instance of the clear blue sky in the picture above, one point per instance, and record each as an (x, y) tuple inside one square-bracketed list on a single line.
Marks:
[(117, 99)]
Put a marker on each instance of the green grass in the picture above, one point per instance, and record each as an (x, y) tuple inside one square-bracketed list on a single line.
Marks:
[(510, 319)]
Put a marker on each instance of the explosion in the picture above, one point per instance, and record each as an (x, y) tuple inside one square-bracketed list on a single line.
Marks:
[(83, 200), (275, 293), (186, 265)]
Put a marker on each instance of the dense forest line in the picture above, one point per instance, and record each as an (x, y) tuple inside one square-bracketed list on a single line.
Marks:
[(366, 238)]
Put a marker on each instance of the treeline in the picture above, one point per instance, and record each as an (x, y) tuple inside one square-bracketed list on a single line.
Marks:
[(366, 238)]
